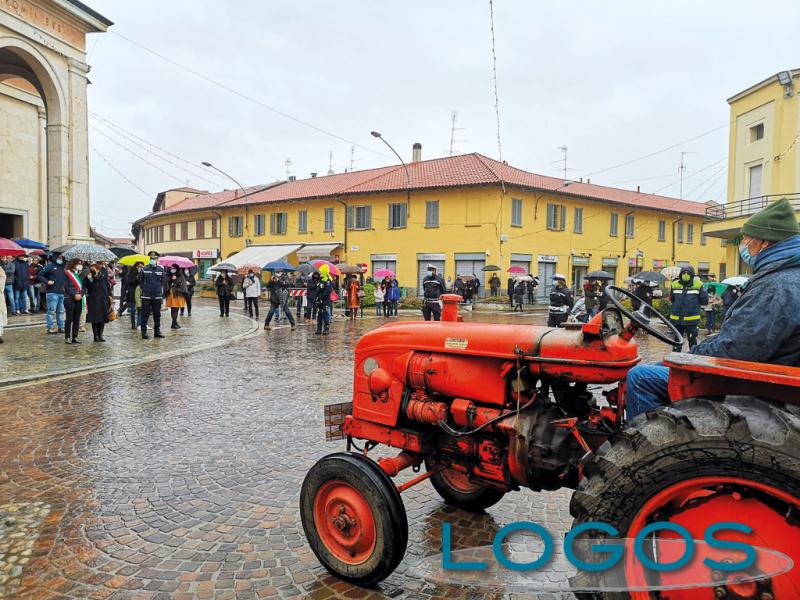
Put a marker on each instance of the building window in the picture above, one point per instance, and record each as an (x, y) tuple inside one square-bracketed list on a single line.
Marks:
[(556, 217), (328, 219), (200, 229), (516, 212), (397, 216), (359, 217), (259, 224), (235, 226), (630, 226), (172, 235), (756, 132), (277, 223), (185, 230), (302, 221), (690, 233), (432, 213), (702, 237), (755, 180), (214, 225), (680, 232), (577, 219), (614, 230), (161, 231), (662, 231)]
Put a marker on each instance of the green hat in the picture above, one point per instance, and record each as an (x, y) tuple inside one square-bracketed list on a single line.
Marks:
[(775, 223)]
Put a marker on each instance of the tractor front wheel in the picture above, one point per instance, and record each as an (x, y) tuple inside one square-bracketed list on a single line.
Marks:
[(696, 463), (353, 518), (457, 490)]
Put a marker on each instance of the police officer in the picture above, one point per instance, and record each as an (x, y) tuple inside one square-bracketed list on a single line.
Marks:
[(432, 288), (152, 278), (688, 296), (561, 301)]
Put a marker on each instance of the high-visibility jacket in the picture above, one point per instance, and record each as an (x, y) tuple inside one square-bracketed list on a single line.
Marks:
[(687, 301)]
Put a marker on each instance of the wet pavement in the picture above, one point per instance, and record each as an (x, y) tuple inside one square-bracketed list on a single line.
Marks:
[(180, 478)]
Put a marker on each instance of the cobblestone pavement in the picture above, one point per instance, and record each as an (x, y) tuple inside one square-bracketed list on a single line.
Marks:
[(181, 478)]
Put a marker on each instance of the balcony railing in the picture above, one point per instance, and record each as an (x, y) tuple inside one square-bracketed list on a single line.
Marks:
[(747, 207)]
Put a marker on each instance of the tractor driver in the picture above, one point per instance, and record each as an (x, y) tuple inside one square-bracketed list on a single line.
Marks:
[(764, 323), (432, 288)]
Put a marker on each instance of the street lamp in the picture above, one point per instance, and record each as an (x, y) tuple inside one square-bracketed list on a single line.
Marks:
[(376, 134), (567, 183), (246, 211)]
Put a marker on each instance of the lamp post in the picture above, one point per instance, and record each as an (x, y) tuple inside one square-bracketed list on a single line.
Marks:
[(567, 183), (246, 211), (376, 134)]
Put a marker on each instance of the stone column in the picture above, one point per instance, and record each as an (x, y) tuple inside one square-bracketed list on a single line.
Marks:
[(79, 225), (42, 233), (58, 200)]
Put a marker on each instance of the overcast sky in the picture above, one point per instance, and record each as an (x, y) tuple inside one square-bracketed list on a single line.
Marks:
[(613, 81)]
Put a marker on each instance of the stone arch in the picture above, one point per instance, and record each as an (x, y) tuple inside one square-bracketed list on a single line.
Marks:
[(33, 66)]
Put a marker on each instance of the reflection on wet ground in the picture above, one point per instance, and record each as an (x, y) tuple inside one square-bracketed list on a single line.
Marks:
[(180, 478)]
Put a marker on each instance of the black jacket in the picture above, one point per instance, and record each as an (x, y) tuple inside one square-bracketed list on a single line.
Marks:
[(322, 293), (98, 300), (21, 280), (70, 289), (276, 289), (224, 286), (433, 287), (561, 300), (151, 280), (54, 273)]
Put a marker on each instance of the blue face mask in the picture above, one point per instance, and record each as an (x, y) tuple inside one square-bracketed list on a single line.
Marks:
[(153, 261), (747, 258)]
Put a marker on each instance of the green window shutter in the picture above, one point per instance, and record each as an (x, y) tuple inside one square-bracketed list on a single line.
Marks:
[(368, 217), (272, 224), (563, 217), (350, 217)]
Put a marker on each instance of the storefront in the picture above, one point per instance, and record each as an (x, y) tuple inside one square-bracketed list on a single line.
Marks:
[(659, 264), (204, 259), (423, 260), (636, 263), (472, 263), (609, 264), (522, 260), (383, 261), (580, 266), (547, 269)]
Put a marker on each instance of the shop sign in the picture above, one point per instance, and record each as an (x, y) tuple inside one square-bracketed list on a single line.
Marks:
[(659, 264), (211, 253), (580, 261), (548, 258), (609, 262)]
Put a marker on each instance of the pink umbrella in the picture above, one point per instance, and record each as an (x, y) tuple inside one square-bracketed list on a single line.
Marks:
[(9, 248), (168, 261), (334, 270), (517, 270), (381, 273)]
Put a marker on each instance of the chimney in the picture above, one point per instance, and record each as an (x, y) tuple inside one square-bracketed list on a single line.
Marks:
[(313, 175), (291, 178), (416, 152), (638, 189)]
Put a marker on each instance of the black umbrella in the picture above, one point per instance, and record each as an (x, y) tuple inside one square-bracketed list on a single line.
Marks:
[(62, 249), (491, 268), (306, 269), (599, 275), (649, 276), (121, 251)]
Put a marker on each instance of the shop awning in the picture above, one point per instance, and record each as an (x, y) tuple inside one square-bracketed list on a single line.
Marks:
[(261, 255), (310, 251)]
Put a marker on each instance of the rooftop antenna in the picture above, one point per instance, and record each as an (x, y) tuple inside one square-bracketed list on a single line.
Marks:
[(353, 159), (564, 152), (288, 164), (681, 169), (330, 162), (453, 129)]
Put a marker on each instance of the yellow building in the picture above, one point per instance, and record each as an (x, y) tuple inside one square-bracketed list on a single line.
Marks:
[(459, 213), (764, 156)]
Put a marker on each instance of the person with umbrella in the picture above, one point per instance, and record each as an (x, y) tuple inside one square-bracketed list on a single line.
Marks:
[(98, 299), (3, 310), (322, 299), (520, 288), (73, 300), (52, 277), (151, 281), (494, 285), (353, 299), (133, 290), (530, 287), (561, 301), (224, 285), (279, 298), (189, 274), (252, 290), (432, 288), (9, 268), (177, 288), (764, 323), (393, 295)]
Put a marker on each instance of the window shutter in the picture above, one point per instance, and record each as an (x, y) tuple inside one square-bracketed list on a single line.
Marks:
[(272, 224), (368, 217), (405, 215), (349, 217), (563, 217)]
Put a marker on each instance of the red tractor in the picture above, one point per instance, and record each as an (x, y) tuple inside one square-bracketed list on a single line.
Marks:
[(488, 409)]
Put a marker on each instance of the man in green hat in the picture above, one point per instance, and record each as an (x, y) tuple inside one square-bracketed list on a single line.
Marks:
[(763, 325)]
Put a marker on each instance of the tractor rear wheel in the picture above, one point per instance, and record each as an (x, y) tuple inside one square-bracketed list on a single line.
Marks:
[(695, 463), (353, 518), (457, 490)]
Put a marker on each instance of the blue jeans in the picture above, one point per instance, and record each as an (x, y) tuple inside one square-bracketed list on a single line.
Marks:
[(33, 294), (12, 304), (55, 310), (710, 320), (647, 389), (21, 300)]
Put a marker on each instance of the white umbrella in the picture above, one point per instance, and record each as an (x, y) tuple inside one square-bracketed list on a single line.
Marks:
[(738, 280), (671, 272)]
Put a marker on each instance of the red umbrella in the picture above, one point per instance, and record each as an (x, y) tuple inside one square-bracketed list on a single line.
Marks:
[(9, 248), (517, 270), (168, 261), (334, 270), (381, 273)]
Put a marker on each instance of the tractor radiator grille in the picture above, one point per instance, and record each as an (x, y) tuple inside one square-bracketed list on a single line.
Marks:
[(334, 419)]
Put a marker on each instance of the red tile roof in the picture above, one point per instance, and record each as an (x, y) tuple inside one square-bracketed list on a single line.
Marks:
[(456, 171)]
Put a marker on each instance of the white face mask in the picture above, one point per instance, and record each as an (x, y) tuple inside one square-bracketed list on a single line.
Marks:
[(78, 268)]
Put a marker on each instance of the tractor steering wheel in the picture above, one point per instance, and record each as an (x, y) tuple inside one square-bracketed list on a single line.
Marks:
[(638, 319)]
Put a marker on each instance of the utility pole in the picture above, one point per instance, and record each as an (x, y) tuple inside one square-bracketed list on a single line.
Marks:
[(681, 169)]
